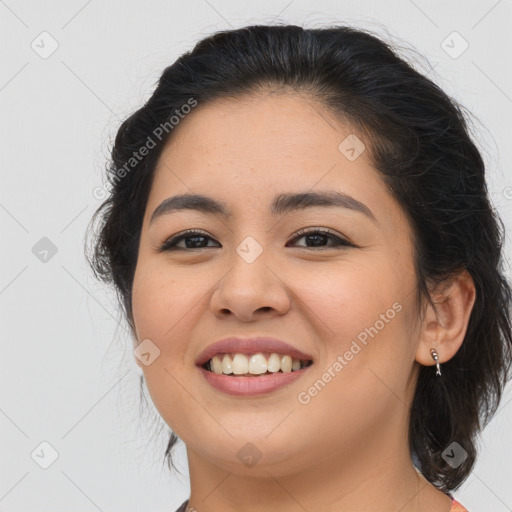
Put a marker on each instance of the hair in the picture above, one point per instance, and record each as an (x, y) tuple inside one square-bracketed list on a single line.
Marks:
[(419, 141)]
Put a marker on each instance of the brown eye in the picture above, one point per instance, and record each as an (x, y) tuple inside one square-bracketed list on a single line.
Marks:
[(193, 240), (317, 236)]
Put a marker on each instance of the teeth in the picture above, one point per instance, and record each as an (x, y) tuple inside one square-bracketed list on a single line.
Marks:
[(227, 363), (256, 364), (240, 364), (274, 363), (286, 364), (217, 365)]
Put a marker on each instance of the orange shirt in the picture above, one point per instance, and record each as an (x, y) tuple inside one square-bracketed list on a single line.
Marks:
[(456, 507)]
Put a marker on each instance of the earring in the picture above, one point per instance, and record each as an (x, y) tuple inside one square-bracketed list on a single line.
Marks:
[(433, 353)]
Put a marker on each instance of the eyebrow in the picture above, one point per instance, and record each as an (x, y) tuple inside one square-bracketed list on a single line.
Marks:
[(283, 203)]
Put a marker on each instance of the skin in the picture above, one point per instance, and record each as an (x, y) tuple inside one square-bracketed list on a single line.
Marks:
[(346, 449)]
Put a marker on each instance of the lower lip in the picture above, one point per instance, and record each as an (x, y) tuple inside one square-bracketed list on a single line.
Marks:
[(248, 386)]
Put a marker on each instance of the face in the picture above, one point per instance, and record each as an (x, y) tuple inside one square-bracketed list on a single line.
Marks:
[(342, 293)]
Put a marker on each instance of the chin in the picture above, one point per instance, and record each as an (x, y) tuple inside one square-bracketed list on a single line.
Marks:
[(254, 454)]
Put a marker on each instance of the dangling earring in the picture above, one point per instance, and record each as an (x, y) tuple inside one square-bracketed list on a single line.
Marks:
[(435, 357)]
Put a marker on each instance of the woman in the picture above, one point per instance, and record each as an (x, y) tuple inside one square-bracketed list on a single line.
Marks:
[(303, 245)]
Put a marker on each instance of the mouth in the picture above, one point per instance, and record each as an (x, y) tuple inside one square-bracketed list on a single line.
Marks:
[(254, 365)]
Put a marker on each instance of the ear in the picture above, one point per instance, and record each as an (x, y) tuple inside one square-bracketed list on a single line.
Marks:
[(444, 327)]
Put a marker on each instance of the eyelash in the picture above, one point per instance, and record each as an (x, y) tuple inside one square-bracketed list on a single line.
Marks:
[(170, 243)]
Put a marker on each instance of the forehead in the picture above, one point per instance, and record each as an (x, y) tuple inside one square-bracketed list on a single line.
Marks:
[(277, 135), (246, 151), (251, 127)]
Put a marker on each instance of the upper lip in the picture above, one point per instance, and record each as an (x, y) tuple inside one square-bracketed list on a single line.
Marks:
[(237, 345)]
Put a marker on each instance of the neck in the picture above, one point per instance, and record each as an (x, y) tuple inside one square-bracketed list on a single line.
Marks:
[(374, 477)]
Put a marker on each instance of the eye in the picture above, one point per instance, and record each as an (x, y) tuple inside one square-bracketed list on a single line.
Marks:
[(316, 235), (196, 238)]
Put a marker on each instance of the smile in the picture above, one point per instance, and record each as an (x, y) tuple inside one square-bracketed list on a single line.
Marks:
[(252, 374), (256, 364)]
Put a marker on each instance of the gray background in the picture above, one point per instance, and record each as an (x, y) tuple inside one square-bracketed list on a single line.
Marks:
[(67, 375)]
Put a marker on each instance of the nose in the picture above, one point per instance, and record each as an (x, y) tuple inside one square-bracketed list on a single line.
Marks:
[(250, 291)]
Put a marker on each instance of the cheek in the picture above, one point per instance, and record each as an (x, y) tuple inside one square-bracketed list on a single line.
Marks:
[(163, 312), (365, 312), (349, 297), (162, 300), (160, 305)]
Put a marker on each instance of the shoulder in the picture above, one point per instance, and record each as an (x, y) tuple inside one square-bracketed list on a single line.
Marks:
[(456, 507), (183, 507)]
